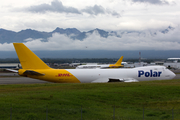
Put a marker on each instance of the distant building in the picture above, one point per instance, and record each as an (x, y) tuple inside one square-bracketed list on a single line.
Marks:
[(74, 64), (175, 65), (10, 65), (159, 63)]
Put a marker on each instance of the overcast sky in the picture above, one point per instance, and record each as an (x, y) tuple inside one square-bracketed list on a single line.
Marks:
[(109, 15)]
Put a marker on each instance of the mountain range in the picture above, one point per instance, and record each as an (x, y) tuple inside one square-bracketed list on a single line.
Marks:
[(8, 36)]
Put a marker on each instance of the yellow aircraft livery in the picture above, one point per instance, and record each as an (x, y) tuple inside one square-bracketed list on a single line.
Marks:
[(34, 67)]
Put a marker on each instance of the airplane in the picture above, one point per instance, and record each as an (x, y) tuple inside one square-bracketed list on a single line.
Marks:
[(118, 64), (34, 67), (173, 58)]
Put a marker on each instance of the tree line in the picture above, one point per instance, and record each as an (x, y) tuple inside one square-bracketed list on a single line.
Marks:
[(81, 60)]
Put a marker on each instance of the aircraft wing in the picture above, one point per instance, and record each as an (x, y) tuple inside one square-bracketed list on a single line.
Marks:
[(122, 80), (129, 80), (105, 80), (100, 80)]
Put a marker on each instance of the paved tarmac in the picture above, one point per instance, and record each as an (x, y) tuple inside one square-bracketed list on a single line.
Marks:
[(13, 78), (177, 76), (8, 74), (19, 80)]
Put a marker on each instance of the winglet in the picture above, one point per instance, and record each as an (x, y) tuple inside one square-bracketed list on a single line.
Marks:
[(28, 59)]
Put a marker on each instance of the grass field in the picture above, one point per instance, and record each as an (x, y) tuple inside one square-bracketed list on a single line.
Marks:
[(153, 100)]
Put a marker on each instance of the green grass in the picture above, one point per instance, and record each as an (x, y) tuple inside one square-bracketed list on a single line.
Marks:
[(103, 101)]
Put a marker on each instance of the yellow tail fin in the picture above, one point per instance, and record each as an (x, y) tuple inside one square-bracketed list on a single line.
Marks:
[(28, 59), (119, 61)]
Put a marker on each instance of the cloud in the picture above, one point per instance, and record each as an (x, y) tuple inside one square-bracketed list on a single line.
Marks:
[(146, 40), (152, 1), (6, 47), (98, 9), (94, 10), (57, 6)]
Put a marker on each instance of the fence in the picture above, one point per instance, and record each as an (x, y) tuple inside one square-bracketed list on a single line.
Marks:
[(81, 113)]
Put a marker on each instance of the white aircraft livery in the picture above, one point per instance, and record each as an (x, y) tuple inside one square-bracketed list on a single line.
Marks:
[(34, 67)]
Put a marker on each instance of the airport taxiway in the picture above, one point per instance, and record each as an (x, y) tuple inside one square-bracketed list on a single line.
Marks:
[(14, 78), (19, 80)]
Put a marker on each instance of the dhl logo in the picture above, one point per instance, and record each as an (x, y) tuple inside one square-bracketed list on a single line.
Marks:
[(63, 75)]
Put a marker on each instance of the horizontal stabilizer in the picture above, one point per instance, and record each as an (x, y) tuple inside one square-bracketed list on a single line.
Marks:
[(16, 71), (30, 72)]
